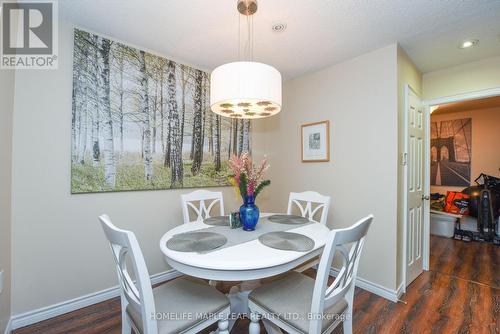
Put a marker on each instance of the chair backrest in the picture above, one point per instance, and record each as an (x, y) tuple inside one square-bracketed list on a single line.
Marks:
[(138, 294), (325, 296), (206, 201), (309, 198)]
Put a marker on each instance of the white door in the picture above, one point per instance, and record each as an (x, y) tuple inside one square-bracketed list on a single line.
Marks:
[(415, 190)]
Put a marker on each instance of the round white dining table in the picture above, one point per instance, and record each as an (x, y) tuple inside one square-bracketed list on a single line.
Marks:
[(247, 261), (242, 262)]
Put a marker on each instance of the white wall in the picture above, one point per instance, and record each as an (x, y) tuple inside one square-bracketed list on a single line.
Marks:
[(59, 251), (7, 79), (359, 98), (466, 78)]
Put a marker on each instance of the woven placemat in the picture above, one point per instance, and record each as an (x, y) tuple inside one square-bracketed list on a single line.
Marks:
[(288, 219), (217, 221), (287, 241), (196, 241)]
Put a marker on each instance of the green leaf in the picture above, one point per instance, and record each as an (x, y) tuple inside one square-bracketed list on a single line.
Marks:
[(243, 185), (260, 187)]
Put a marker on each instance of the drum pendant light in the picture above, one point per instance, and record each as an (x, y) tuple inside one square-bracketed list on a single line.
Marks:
[(246, 89)]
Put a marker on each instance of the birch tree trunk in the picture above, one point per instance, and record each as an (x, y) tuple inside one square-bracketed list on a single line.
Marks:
[(246, 135), (76, 110), (197, 124), (83, 128), (82, 98), (168, 148), (79, 132), (108, 147), (155, 108), (240, 135), (176, 167), (148, 158), (83, 120), (120, 106), (191, 154), (204, 111), (162, 114), (211, 132), (217, 144), (229, 149), (185, 78), (96, 153), (235, 136)]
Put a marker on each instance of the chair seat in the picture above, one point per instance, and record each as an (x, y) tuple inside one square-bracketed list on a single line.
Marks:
[(290, 298), (186, 301)]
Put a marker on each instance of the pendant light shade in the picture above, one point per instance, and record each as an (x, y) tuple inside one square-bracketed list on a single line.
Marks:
[(245, 89)]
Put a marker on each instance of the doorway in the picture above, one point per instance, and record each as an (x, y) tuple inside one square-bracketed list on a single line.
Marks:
[(462, 228), (420, 162)]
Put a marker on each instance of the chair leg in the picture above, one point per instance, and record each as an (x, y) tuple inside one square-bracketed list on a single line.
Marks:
[(349, 312), (126, 325), (348, 325), (254, 327), (223, 326)]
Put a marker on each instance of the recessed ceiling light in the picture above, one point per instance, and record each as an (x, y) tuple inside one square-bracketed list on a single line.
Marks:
[(468, 43), (279, 27)]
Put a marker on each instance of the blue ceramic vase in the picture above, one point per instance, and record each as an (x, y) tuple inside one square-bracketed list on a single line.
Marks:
[(249, 213)]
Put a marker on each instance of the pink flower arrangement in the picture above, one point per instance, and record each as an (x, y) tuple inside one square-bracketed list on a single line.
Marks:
[(248, 179)]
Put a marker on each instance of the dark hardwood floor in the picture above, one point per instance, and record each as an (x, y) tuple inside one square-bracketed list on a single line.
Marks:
[(460, 294), (472, 261)]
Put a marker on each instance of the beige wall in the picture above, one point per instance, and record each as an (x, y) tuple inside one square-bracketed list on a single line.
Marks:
[(7, 79), (466, 78), (359, 98), (485, 139), (408, 74), (59, 250)]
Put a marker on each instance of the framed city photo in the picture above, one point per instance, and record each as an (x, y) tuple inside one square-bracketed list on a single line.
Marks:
[(316, 142)]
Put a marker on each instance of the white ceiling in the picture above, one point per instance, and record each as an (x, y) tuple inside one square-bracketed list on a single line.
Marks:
[(319, 32), (486, 103)]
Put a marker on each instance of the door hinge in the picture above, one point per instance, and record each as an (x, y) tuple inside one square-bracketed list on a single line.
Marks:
[(404, 159)]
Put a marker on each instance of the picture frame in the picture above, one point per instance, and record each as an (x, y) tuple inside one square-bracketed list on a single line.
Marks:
[(315, 144), (135, 139)]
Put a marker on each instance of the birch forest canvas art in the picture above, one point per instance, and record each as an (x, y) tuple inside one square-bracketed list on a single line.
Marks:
[(143, 122)]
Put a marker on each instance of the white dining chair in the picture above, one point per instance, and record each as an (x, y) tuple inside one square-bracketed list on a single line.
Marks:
[(305, 202), (206, 201), (300, 304), (195, 304)]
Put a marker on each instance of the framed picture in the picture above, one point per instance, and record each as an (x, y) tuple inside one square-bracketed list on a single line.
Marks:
[(143, 122), (451, 143), (316, 142)]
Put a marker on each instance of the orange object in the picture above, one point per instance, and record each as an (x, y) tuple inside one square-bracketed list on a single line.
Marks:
[(457, 203)]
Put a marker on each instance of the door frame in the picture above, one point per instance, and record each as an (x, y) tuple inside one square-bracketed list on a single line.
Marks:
[(473, 95)]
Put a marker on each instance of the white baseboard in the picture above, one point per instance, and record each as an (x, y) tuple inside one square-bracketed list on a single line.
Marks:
[(401, 290), (375, 288), (8, 328), (44, 313)]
